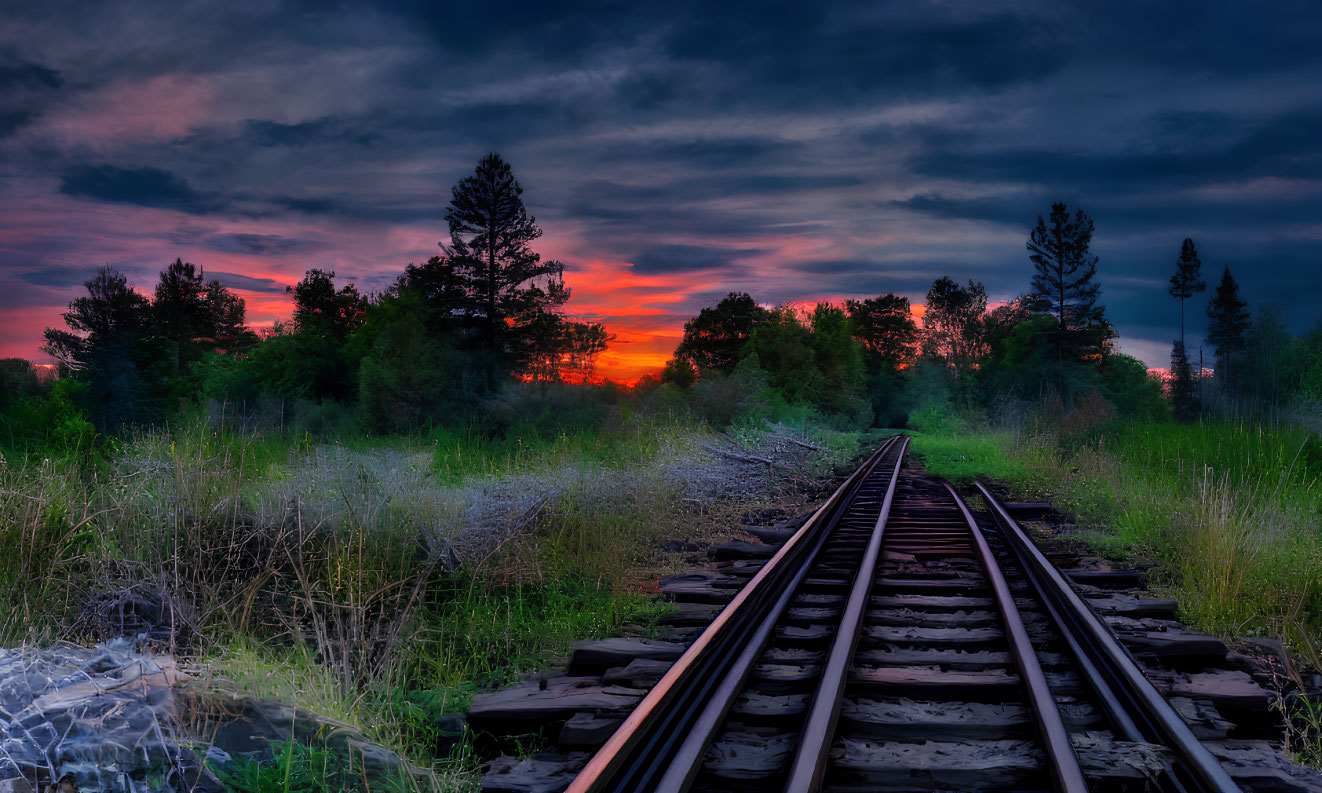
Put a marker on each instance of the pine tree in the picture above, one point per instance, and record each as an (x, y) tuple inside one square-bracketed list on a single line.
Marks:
[(1064, 285), (1228, 324), (1187, 279), (1183, 400), (490, 231), (504, 289)]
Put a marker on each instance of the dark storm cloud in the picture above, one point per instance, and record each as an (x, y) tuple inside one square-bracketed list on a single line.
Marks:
[(856, 147), (618, 213), (688, 258), (724, 154), (21, 74), (11, 120), (25, 90), (148, 187)]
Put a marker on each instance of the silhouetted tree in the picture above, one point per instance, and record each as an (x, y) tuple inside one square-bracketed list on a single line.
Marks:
[(1183, 400), (441, 289), (503, 289), (886, 328), (548, 347), (1267, 377), (226, 314), (1228, 322), (321, 309), (505, 284), (110, 311), (179, 310), (714, 340), (1187, 279), (952, 323), (192, 316), (104, 347), (1064, 285), (680, 371)]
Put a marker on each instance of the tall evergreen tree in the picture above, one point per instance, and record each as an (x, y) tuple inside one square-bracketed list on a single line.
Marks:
[(1187, 279), (504, 288), (490, 233), (1228, 323), (1183, 398), (1065, 285)]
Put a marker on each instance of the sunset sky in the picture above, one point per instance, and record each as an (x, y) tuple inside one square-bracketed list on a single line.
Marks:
[(672, 152)]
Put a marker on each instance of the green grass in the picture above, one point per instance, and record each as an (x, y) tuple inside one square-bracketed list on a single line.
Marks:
[(1303, 728), (293, 767), (459, 454), (488, 634), (963, 458), (1231, 512)]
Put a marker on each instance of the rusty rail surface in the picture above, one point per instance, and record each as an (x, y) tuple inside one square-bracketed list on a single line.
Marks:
[(714, 666), (863, 566), (1127, 694)]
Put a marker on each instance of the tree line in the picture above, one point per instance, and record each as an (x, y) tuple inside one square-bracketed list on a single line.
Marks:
[(1053, 344), (451, 332), (446, 333)]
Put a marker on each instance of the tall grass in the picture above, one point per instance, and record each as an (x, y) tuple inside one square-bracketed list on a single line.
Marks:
[(322, 574), (1233, 511)]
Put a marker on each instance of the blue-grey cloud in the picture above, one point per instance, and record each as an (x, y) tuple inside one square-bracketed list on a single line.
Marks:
[(147, 186), (688, 258), (327, 130), (59, 275), (25, 91), (1183, 150), (261, 244), (247, 282)]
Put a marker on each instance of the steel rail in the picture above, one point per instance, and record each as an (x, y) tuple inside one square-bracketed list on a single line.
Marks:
[(810, 755), (1145, 706), (717, 662), (1066, 773)]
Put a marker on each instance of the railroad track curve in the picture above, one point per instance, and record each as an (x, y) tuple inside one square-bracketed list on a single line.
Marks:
[(897, 643)]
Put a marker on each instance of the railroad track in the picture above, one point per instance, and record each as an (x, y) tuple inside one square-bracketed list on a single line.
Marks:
[(895, 643)]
